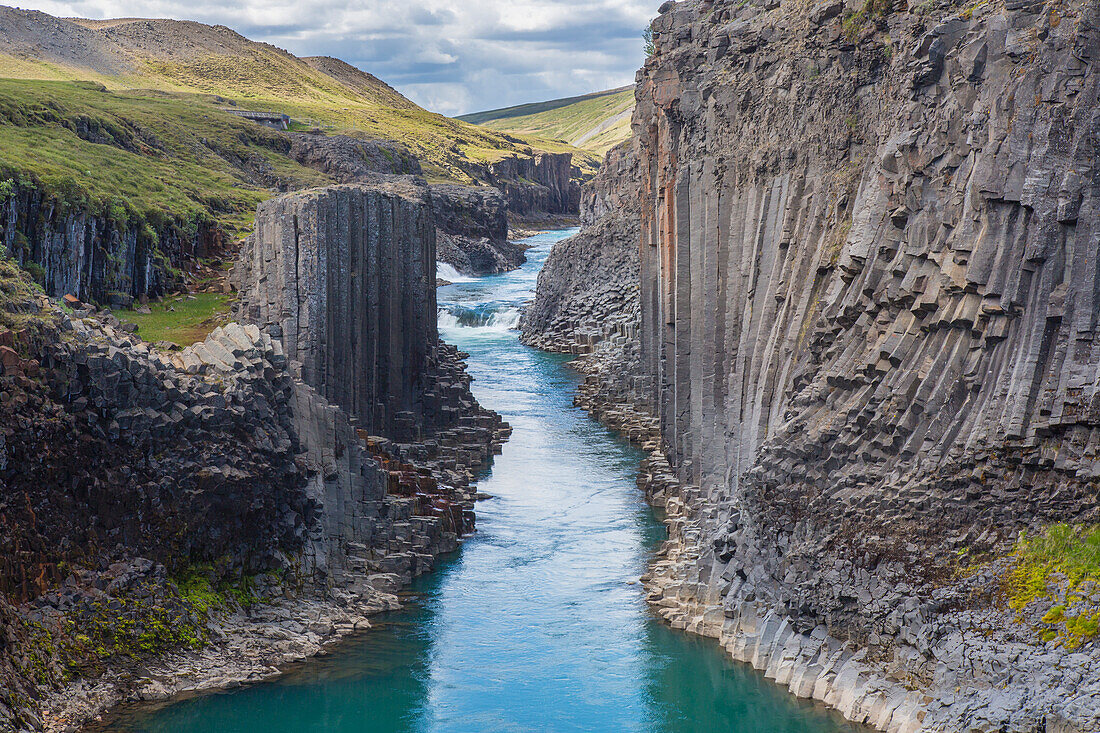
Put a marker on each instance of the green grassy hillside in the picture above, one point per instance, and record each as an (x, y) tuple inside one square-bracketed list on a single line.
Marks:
[(595, 122), (182, 60), (152, 154)]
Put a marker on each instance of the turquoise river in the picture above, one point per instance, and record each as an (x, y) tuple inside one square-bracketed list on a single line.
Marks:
[(539, 622)]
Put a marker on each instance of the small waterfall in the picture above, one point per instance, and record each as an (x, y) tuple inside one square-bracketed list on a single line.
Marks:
[(447, 272), (488, 317)]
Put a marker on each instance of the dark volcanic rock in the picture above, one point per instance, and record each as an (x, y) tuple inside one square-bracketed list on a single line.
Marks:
[(95, 257), (588, 289), (866, 317), (350, 159), (868, 307), (345, 277), (540, 184), (472, 230)]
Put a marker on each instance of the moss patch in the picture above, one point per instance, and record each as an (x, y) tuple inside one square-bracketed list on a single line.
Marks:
[(142, 623), (1060, 568)]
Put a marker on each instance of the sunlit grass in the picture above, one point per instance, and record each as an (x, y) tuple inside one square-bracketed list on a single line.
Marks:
[(190, 319)]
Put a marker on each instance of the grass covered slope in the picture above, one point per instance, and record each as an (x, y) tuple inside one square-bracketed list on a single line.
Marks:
[(146, 153), (596, 122), (184, 59)]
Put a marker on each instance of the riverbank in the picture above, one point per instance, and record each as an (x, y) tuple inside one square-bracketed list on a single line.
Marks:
[(539, 621), (250, 647)]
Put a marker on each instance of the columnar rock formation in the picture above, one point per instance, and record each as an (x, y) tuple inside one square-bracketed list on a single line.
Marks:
[(93, 256), (126, 474), (537, 185), (344, 277), (868, 298), (588, 289), (867, 257)]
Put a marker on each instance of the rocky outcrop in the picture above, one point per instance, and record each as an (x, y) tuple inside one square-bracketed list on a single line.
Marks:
[(98, 257), (351, 159), (344, 278), (472, 230), (588, 289), (867, 292), (341, 276), (537, 185)]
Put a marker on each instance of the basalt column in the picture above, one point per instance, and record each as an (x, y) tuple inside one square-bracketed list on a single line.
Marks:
[(345, 276), (869, 303)]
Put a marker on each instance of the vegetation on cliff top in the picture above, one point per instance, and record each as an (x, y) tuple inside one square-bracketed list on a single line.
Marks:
[(141, 155), (596, 122)]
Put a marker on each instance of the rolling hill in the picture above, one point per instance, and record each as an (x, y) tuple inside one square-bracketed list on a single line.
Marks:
[(595, 122), (134, 110)]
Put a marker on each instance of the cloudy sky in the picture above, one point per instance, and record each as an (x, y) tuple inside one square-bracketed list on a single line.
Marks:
[(451, 56)]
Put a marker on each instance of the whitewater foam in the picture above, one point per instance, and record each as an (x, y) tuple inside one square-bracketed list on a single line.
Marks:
[(447, 272), (499, 320)]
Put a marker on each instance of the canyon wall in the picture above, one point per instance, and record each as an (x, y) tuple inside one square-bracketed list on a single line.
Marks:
[(344, 277), (472, 229), (868, 292), (539, 185), (147, 498), (867, 280), (96, 257), (588, 289)]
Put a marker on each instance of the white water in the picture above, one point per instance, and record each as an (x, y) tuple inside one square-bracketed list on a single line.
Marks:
[(504, 319), (450, 274)]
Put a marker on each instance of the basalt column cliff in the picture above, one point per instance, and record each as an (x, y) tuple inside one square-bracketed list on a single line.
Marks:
[(175, 521), (868, 290)]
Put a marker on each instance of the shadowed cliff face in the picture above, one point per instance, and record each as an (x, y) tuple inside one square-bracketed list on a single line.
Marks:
[(539, 185), (868, 261), (472, 229), (95, 257)]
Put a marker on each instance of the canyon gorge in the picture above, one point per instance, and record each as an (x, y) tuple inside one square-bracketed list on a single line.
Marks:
[(832, 303)]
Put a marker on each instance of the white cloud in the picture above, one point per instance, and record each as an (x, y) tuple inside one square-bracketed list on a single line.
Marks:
[(453, 56)]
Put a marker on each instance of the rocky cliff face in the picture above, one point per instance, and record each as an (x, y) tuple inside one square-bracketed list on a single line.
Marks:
[(867, 284), (145, 498), (588, 289), (472, 230), (344, 277), (538, 185), (96, 257)]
